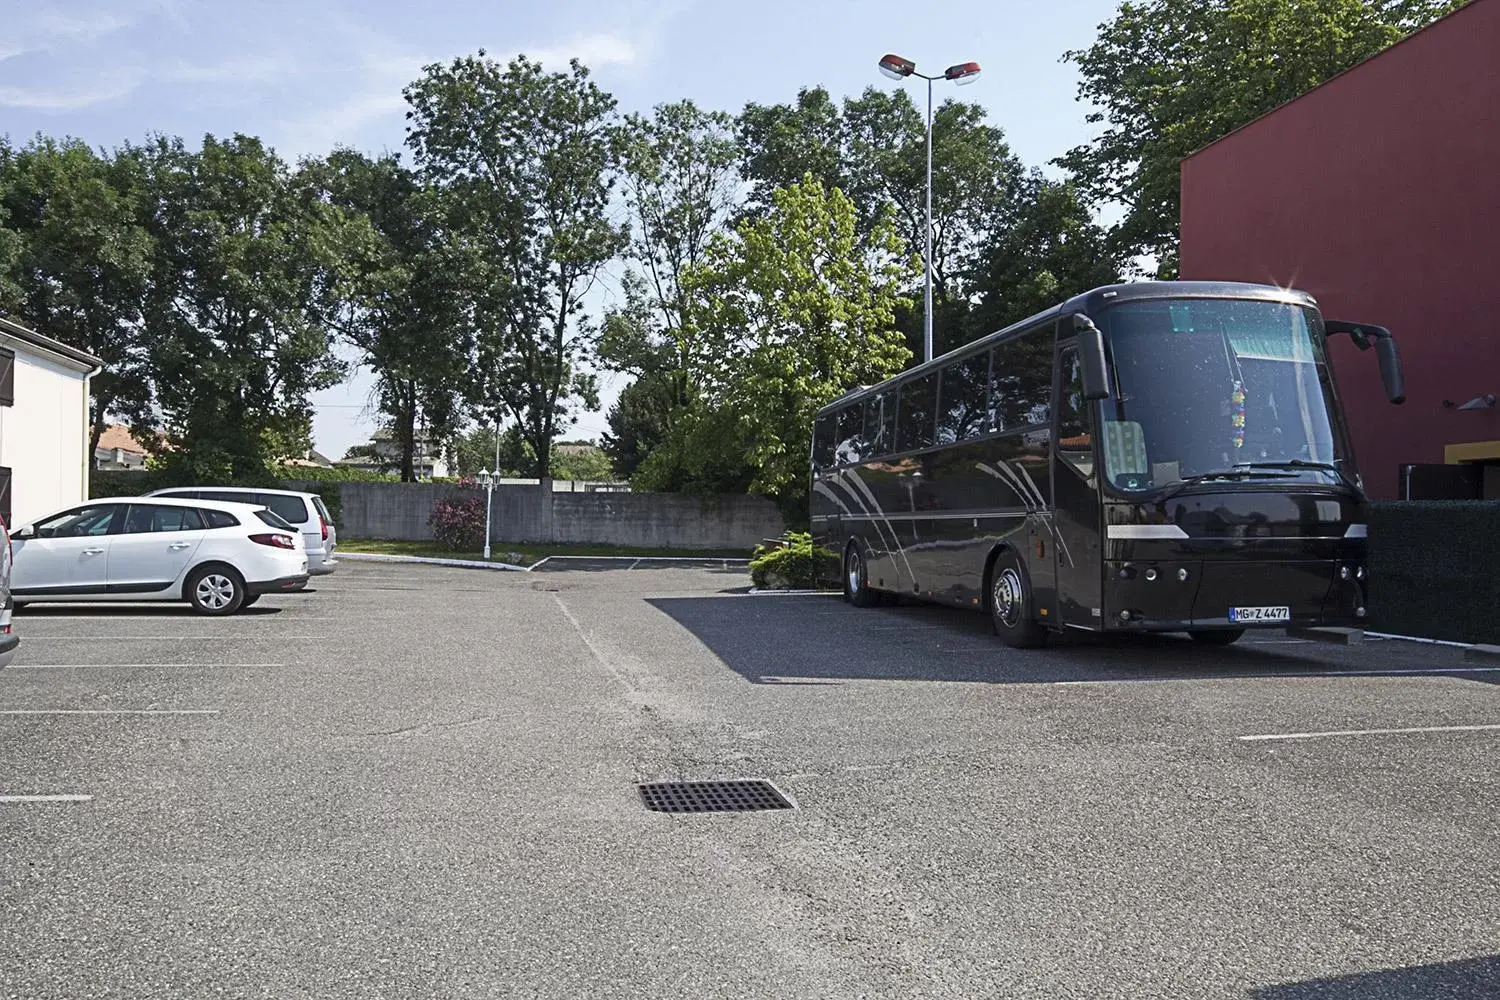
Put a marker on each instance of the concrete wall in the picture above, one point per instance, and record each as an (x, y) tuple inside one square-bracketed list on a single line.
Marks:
[(533, 514), (1379, 194)]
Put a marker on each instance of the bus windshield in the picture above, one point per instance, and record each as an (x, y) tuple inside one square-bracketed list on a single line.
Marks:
[(1205, 387)]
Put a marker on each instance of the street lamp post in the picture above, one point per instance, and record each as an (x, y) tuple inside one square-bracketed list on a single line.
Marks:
[(962, 74), (488, 482)]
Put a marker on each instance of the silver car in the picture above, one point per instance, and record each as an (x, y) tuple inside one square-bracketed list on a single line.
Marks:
[(303, 511), (8, 639)]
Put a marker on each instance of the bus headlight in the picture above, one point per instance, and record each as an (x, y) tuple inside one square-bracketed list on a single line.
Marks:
[(1344, 573)]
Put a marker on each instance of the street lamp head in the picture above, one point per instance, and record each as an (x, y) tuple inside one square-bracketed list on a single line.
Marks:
[(963, 74), (896, 67), (484, 477)]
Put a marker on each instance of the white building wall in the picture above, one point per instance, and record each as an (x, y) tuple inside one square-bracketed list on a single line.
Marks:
[(44, 436)]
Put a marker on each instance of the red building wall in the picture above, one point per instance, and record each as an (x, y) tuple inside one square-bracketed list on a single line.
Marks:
[(1379, 193)]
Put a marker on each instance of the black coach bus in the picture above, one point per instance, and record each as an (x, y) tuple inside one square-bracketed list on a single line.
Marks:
[(1158, 456)]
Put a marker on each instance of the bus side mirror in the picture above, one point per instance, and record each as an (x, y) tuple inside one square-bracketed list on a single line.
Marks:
[(1091, 358), (1364, 336)]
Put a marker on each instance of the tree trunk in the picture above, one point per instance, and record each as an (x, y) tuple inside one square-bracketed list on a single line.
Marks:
[(407, 433)]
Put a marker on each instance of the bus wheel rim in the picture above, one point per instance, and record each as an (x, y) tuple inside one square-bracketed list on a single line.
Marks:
[(853, 572), (1008, 597)]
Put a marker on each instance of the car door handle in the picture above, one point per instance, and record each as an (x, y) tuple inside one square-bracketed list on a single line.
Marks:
[(93, 552), (179, 545)]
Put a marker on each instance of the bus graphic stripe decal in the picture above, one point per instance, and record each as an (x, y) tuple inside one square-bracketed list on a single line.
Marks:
[(1009, 478), (874, 510)]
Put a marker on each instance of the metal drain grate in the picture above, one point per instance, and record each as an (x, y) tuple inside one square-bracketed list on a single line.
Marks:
[(712, 796)]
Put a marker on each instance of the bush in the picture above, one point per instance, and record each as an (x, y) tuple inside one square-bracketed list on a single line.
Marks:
[(458, 522), (792, 563)]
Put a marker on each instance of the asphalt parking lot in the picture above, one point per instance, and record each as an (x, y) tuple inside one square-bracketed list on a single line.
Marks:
[(421, 782)]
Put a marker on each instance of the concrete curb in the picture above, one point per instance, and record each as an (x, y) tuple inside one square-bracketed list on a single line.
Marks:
[(433, 561), (511, 567), (769, 592)]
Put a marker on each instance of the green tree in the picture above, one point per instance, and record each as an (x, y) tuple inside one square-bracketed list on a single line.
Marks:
[(242, 279), (680, 182), (639, 420), (1049, 249), (406, 290), (1171, 76), (525, 161), (581, 460), (874, 149), (780, 144), (475, 451), (74, 265), (800, 307)]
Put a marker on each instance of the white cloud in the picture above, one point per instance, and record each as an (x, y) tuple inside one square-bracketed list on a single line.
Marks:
[(71, 98), (240, 70), (377, 98), (594, 51)]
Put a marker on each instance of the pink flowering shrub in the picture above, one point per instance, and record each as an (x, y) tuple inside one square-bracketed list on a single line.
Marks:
[(457, 522)]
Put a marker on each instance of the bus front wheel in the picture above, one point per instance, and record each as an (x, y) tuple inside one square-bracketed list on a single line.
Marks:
[(1012, 607), (856, 581)]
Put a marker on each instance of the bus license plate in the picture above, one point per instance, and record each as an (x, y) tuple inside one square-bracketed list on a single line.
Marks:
[(1260, 614)]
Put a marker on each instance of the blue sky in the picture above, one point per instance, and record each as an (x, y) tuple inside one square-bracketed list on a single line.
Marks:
[(309, 75)]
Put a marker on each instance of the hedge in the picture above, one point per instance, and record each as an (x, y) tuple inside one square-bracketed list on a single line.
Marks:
[(1435, 569)]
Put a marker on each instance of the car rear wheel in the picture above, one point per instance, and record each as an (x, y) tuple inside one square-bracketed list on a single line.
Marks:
[(1217, 637), (216, 590)]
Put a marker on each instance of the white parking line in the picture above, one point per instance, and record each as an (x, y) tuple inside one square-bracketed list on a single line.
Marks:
[(15, 799), (1369, 732), (164, 638), (109, 711), (89, 666)]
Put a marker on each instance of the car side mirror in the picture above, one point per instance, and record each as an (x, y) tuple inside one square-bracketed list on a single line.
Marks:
[(1366, 335), (1095, 370), (24, 532)]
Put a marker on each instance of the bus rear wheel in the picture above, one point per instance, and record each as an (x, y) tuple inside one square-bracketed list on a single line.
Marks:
[(856, 581), (1012, 607), (1217, 637)]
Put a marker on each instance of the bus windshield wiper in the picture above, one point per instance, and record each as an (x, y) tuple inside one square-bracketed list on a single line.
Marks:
[(1240, 472), (1292, 463)]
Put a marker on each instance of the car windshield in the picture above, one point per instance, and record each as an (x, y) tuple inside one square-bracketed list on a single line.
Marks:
[(1204, 387)]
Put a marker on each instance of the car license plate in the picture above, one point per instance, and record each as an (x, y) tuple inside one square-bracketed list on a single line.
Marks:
[(1260, 614)]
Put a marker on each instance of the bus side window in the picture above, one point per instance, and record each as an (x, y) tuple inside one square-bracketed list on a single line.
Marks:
[(823, 442), (1074, 439), (850, 436), (877, 442), (914, 431)]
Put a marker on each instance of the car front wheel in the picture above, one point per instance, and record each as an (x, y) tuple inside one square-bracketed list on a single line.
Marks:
[(216, 590)]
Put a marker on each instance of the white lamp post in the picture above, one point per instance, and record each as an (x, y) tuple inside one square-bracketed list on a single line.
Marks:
[(898, 68), (488, 482)]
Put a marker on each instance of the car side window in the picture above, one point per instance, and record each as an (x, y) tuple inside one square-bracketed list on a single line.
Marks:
[(219, 519), (80, 522), (148, 518), (291, 509)]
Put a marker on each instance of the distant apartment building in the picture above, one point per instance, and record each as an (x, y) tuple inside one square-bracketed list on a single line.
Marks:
[(119, 451), (382, 453)]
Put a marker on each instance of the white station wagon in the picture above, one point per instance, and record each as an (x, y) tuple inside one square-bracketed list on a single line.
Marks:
[(218, 557)]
